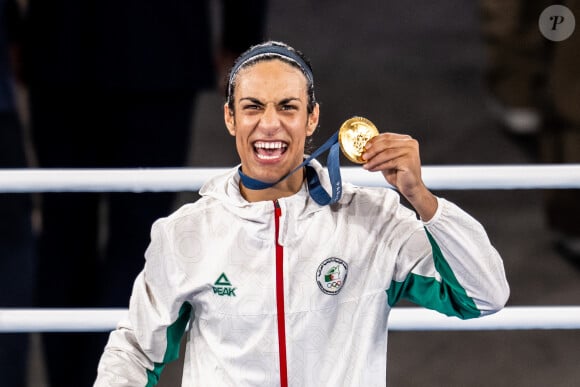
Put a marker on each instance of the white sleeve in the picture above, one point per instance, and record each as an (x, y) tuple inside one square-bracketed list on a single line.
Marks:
[(139, 348), (476, 265), (450, 266)]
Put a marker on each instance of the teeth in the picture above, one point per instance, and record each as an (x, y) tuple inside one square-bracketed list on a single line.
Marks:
[(266, 157), (270, 145)]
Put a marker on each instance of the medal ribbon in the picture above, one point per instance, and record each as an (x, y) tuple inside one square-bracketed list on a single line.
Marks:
[(317, 192)]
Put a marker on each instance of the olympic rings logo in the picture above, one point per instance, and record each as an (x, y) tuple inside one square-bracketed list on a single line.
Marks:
[(334, 284)]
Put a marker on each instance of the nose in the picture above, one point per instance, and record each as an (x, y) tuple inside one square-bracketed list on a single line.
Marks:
[(270, 121)]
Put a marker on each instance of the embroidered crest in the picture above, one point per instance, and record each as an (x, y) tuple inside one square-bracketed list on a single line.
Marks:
[(331, 275)]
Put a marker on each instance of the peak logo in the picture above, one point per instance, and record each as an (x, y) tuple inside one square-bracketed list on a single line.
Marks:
[(223, 287)]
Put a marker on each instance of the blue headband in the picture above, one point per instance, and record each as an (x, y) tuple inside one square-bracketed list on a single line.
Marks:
[(266, 51)]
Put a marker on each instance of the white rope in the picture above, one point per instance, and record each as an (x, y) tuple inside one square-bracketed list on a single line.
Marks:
[(509, 318), (401, 319), (560, 176), (60, 320)]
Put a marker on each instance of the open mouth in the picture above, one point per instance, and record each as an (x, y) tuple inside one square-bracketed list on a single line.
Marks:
[(270, 150)]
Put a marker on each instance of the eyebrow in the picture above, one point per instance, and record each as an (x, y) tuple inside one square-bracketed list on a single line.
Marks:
[(281, 102)]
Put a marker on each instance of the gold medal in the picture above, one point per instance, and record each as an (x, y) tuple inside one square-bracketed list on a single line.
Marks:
[(353, 136)]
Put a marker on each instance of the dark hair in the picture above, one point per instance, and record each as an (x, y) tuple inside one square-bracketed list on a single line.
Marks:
[(269, 51)]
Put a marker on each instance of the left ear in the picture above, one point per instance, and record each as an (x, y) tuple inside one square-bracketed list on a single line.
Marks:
[(313, 120), (229, 120)]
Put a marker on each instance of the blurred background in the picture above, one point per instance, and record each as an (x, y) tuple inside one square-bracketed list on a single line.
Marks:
[(422, 68), (474, 83)]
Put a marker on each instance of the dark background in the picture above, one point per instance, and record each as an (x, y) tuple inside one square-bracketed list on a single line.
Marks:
[(416, 67)]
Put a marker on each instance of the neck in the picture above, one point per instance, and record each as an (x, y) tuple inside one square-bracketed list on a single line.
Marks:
[(285, 188)]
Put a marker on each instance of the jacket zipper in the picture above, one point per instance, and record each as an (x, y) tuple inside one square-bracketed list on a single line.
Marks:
[(280, 299)]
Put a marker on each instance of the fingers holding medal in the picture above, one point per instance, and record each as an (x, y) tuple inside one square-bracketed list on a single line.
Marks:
[(353, 136), (395, 155)]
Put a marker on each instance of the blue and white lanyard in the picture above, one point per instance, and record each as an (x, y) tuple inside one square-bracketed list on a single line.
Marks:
[(317, 192)]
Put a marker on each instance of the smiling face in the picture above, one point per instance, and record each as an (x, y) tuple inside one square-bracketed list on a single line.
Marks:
[(270, 122)]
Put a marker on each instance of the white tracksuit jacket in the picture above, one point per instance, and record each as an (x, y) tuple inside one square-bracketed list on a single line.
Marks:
[(293, 293)]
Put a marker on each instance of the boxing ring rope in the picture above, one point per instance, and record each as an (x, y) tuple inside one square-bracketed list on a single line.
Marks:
[(480, 177), (545, 176), (401, 319)]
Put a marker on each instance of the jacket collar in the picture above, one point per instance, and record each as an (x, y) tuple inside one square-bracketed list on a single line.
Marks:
[(226, 189)]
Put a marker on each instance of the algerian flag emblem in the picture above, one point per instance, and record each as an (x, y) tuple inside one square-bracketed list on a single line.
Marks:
[(331, 275)]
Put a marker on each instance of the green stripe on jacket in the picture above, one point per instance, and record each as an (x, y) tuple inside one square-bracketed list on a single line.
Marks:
[(447, 297), (174, 334)]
